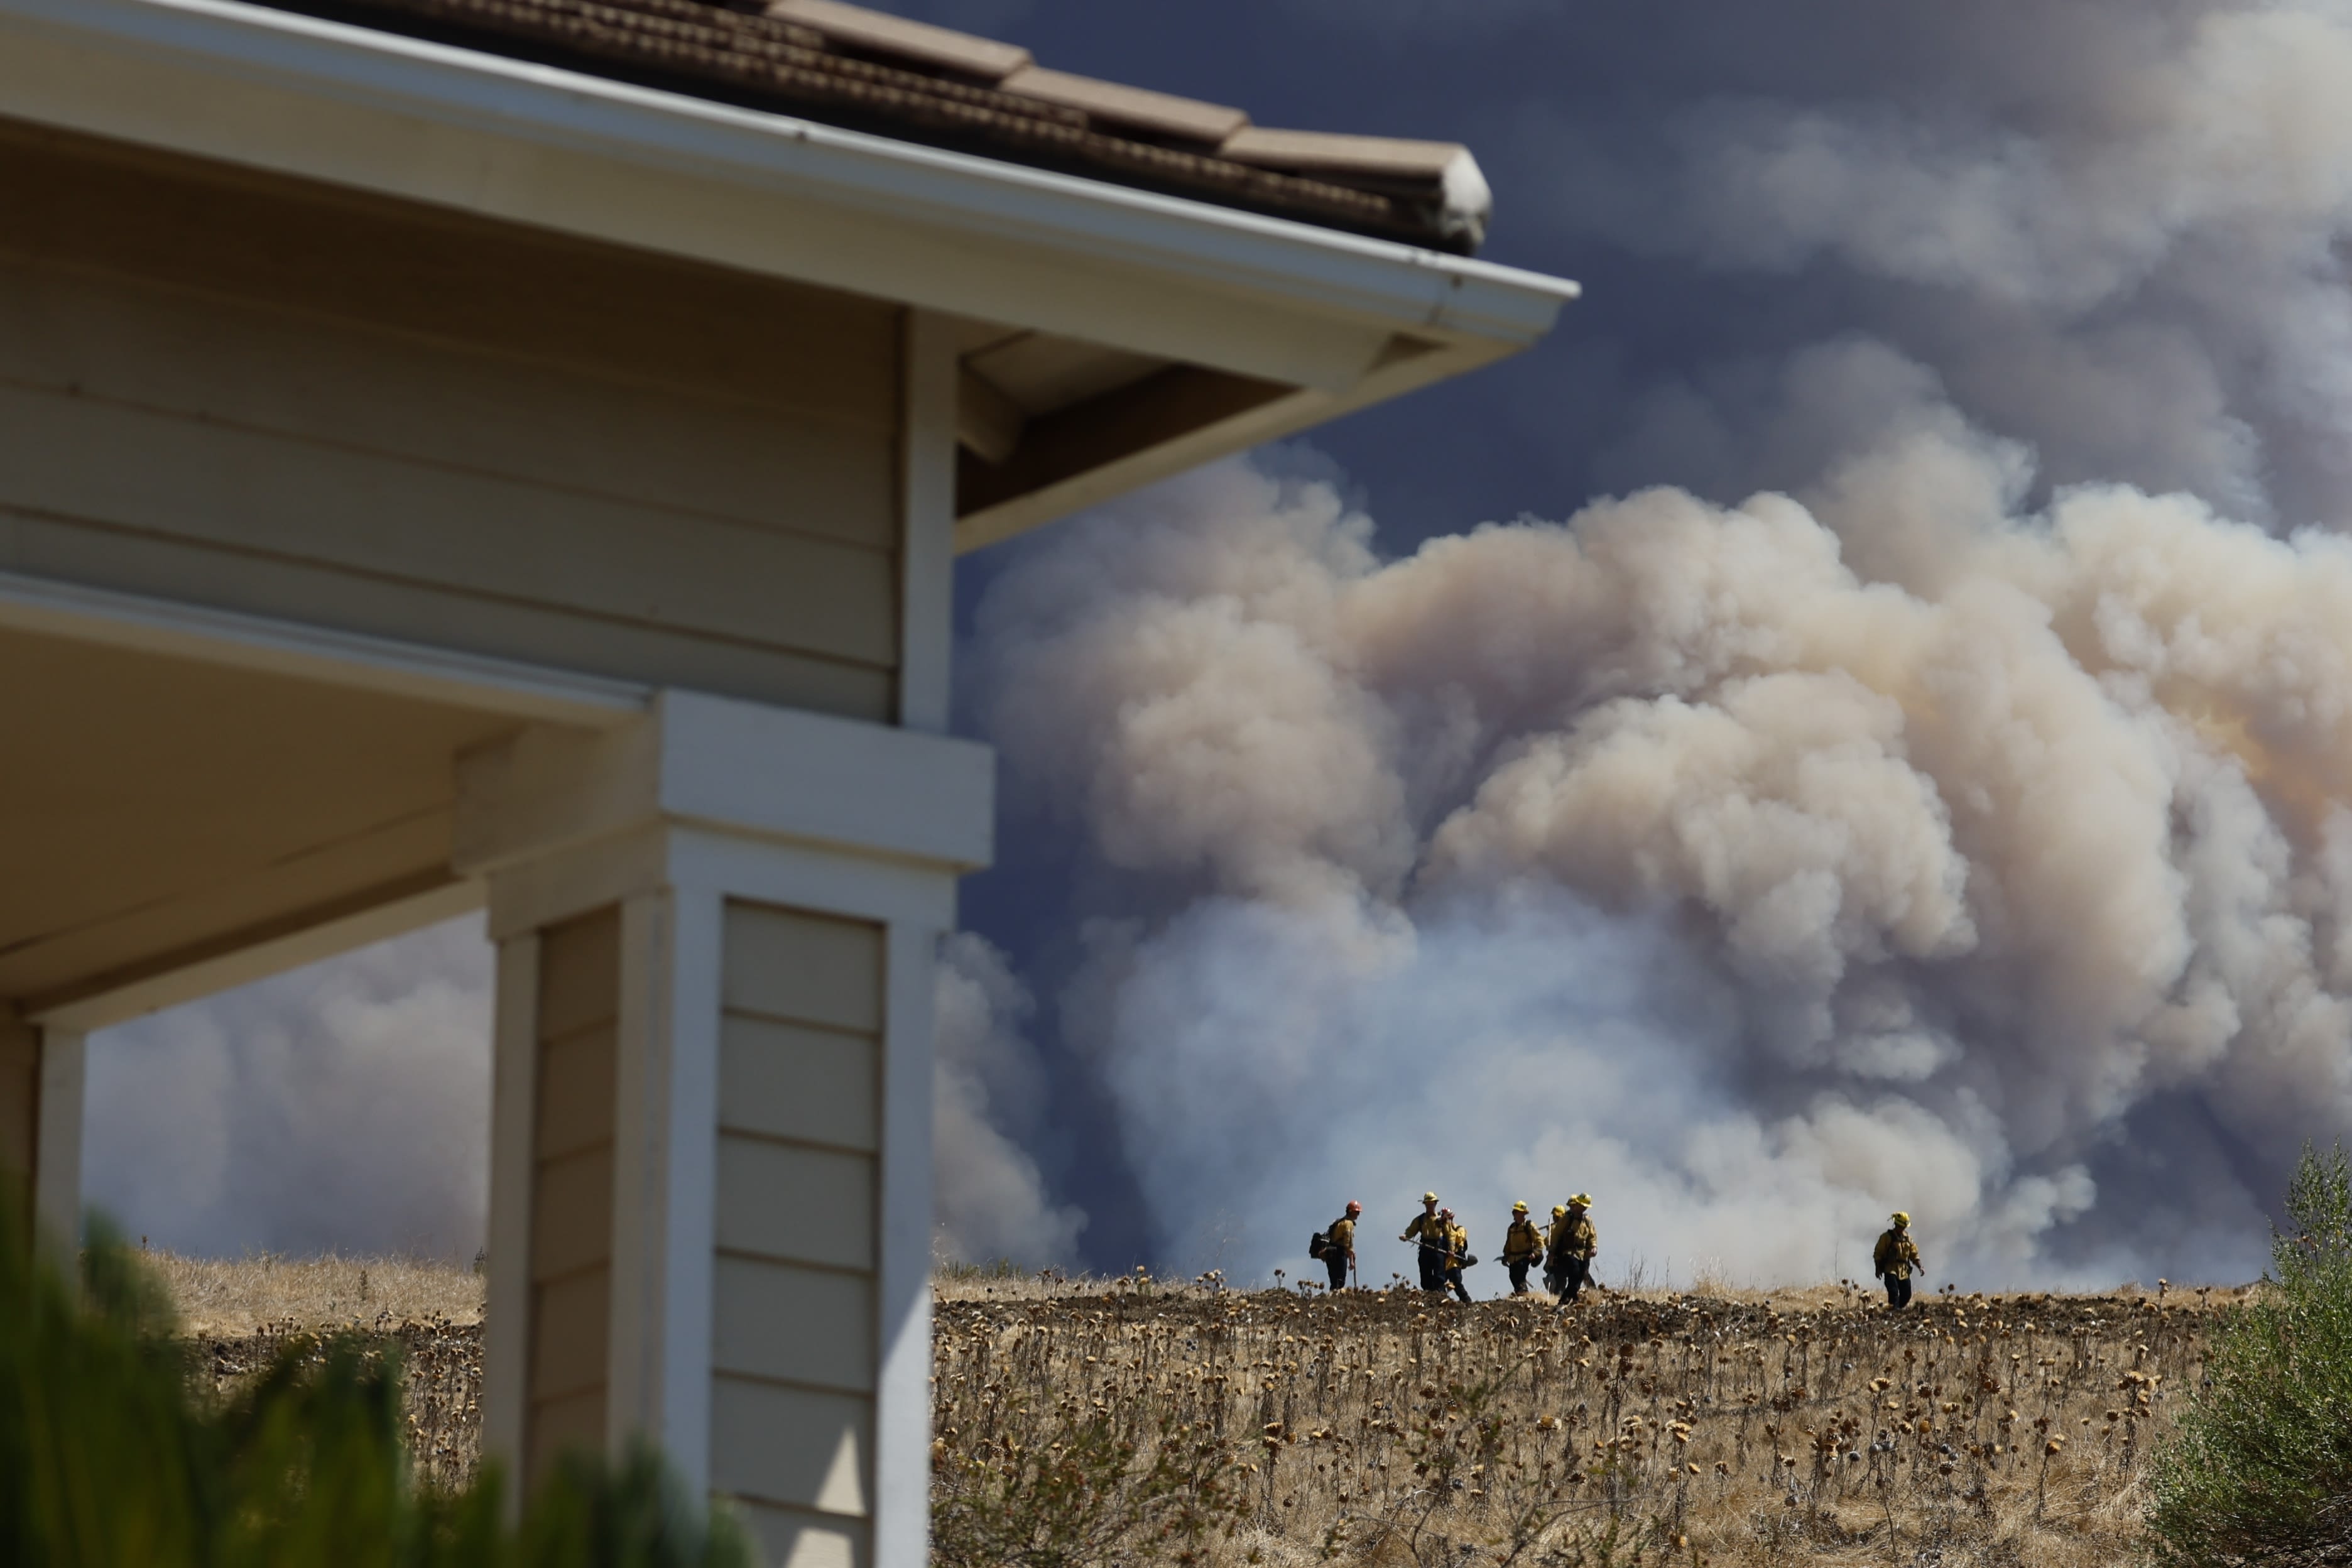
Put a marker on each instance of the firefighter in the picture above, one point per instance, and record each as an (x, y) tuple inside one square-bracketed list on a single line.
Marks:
[(1457, 1255), (1522, 1245), (1573, 1243), (1340, 1246), (1430, 1231), (1895, 1257), (1555, 1257)]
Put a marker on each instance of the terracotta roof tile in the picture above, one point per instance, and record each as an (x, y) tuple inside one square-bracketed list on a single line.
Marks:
[(844, 65)]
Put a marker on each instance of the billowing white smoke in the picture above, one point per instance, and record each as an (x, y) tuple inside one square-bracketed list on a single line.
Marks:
[(341, 1107), (1760, 869), (989, 1095)]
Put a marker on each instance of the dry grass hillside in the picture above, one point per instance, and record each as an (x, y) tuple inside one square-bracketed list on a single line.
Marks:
[(1387, 1428), (247, 1295), (1384, 1428)]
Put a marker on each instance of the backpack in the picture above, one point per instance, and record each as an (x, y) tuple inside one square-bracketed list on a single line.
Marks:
[(1318, 1245)]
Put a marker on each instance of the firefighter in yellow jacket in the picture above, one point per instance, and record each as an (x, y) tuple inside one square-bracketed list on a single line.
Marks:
[(1523, 1244), (1555, 1260), (1895, 1257), (1457, 1255), (1573, 1243), (1431, 1232)]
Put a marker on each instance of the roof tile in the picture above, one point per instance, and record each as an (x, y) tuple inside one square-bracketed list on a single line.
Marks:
[(920, 42), (1326, 153), (1135, 108), (848, 65)]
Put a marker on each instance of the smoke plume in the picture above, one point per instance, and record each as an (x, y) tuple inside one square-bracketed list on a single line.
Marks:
[(1760, 868), (342, 1107), (989, 1099)]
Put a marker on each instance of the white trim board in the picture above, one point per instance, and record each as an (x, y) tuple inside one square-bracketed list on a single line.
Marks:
[(745, 768), (473, 681), (514, 1110), (927, 524), (1256, 296), (571, 881)]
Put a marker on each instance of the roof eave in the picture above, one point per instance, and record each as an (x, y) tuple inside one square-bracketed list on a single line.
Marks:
[(1247, 295)]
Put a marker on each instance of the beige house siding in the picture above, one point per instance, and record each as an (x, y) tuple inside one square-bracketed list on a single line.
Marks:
[(800, 1059), (352, 412), (571, 1211)]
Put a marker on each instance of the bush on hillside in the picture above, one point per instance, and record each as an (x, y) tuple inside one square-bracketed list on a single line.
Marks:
[(2261, 1468), (108, 1455)]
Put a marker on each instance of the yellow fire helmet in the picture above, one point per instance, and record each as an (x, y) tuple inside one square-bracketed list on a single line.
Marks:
[(1429, 1197), (1518, 1208), (1900, 1220), (1580, 1201), (1557, 1210)]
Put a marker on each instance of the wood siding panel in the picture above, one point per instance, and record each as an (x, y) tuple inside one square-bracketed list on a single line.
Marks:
[(259, 367), (788, 1201), (791, 1446), (792, 1537), (258, 394), (578, 977), (571, 1221), (76, 549), (798, 1325), (783, 963), (444, 528), (490, 287), (786, 1080), (572, 1187), (795, 1305), (568, 1339), (578, 1081)]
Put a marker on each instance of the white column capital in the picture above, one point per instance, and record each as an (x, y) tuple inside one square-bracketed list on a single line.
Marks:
[(741, 768)]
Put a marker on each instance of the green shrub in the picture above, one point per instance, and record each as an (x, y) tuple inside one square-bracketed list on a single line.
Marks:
[(2260, 1469), (111, 1459)]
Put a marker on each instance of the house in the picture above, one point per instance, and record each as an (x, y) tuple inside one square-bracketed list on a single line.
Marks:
[(513, 453)]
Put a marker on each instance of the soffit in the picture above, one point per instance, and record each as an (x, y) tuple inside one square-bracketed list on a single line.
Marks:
[(185, 806)]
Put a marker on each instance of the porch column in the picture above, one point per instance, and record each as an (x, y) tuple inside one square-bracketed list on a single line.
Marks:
[(710, 1156), (40, 1120)]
